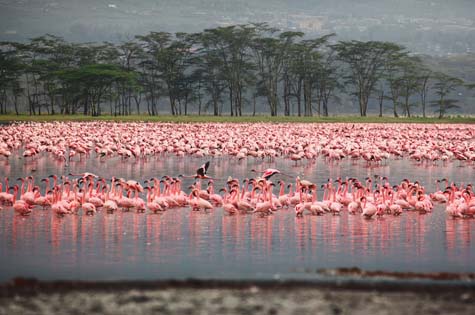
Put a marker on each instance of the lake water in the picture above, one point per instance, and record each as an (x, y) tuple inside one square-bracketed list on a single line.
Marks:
[(181, 243)]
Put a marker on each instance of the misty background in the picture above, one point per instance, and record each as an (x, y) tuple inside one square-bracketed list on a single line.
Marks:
[(434, 27), (442, 30)]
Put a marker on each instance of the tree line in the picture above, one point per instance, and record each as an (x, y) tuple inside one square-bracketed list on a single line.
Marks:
[(217, 71)]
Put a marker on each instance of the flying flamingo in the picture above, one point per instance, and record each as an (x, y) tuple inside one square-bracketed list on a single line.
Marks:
[(268, 173), (84, 175), (200, 172)]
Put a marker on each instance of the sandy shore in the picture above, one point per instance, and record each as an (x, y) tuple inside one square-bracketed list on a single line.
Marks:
[(231, 298)]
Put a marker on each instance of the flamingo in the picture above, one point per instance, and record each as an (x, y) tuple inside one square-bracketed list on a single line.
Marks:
[(268, 173), (5, 197), (139, 204), (369, 209), (110, 206), (87, 207), (197, 203), (20, 206), (335, 206), (228, 206), (216, 199), (393, 207), (200, 172), (152, 205), (266, 206)]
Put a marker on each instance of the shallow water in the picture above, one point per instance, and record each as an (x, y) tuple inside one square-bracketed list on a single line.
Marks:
[(182, 244)]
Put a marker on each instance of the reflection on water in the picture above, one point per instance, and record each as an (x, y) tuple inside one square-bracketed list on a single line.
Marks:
[(180, 243)]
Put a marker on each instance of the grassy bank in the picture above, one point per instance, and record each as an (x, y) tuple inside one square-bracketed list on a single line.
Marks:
[(242, 119)]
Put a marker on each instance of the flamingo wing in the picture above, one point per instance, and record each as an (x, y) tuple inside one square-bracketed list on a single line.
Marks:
[(203, 169), (269, 172)]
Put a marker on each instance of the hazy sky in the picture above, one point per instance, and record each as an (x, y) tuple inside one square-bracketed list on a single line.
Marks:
[(435, 23)]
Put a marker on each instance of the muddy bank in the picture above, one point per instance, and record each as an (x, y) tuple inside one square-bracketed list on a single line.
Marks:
[(24, 296)]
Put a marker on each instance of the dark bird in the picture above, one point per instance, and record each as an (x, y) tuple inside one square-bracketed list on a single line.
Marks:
[(200, 172)]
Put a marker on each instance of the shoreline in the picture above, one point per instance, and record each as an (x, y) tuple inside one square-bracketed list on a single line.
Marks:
[(232, 297), (238, 119), (29, 286)]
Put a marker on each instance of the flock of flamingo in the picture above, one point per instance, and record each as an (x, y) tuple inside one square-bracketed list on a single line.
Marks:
[(373, 143), (88, 193)]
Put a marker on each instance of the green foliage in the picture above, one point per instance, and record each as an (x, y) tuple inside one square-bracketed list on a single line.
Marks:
[(366, 62), (443, 86), (96, 75), (219, 68)]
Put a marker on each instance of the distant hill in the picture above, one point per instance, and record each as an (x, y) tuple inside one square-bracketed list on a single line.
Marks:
[(434, 27)]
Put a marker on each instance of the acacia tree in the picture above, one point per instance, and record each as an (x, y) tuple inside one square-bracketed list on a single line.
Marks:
[(53, 53), (148, 74), (126, 55), (410, 80), (289, 78), (269, 54), (30, 56), (423, 77), (303, 73), (156, 70), (95, 80), (209, 71), (392, 73), (212, 68), (10, 72), (293, 74), (443, 86), (231, 45), (365, 62), (312, 68), (327, 81)]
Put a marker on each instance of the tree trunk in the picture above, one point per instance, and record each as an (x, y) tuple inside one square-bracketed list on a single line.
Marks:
[(307, 94), (138, 99), (442, 109), (423, 104), (286, 97), (15, 103), (231, 101)]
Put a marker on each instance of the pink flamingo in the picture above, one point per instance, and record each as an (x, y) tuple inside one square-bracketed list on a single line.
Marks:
[(369, 209), (87, 207), (151, 204), (228, 206), (198, 203), (216, 199), (5, 197), (335, 206), (59, 206), (20, 206), (266, 206), (393, 207)]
